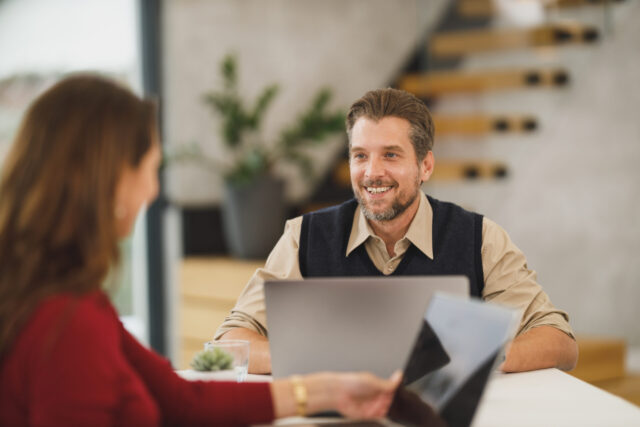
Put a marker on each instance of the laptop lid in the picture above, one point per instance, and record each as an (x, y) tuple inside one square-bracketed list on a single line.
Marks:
[(348, 324), (457, 349)]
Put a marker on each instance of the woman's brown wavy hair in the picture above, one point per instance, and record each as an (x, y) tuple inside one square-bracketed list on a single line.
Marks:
[(57, 191)]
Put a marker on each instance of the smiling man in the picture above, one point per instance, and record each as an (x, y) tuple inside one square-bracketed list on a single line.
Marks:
[(393, 228)]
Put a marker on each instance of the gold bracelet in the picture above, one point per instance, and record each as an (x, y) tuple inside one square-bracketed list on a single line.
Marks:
[(300, 395)]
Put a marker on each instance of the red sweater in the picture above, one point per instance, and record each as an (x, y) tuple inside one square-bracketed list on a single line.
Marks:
[(74, 364)]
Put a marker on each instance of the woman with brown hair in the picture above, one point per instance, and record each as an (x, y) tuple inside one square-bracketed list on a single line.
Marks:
[(84, 162)]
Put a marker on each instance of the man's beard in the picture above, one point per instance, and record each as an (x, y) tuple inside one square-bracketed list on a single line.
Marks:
[(397, 206)]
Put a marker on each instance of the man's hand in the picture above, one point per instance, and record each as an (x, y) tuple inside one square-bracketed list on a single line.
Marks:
[(259, 354), (539, 348)]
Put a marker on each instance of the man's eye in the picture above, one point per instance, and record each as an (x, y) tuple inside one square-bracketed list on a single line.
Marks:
[(391, 155), (358, 156)]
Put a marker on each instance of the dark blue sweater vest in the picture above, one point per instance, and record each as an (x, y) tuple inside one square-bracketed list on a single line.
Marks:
[(457, 243)]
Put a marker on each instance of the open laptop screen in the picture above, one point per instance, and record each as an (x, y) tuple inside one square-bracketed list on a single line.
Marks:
[(451, 361), (349, 323)]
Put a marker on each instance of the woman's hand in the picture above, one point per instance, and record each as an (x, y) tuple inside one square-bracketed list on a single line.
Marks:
[(363, 395), (355, 395)]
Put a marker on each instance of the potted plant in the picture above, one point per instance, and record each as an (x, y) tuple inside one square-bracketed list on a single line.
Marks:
[(210, 365), (254, 210)]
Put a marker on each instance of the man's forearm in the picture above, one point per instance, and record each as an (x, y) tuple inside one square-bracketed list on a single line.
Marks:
[(540, 348), (259, 354)]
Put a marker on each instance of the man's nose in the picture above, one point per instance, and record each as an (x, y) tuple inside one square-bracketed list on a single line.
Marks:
[(375, 168)]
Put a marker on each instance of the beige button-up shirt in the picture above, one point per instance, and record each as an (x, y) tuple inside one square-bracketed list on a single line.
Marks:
[(507, 279)]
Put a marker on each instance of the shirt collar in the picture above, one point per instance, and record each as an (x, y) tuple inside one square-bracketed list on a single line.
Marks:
[(419, 232)]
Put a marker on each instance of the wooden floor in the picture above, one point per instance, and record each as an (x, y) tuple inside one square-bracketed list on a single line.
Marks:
[(627, 387), (209, 287), (602, 363)]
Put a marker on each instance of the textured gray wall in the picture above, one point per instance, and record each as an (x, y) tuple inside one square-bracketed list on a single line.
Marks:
[(572, 202)]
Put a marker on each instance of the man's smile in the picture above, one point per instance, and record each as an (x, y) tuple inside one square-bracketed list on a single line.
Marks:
[(378, 190)]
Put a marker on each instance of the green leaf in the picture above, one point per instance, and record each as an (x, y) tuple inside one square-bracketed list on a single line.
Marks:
[(314, 125), (263, 102), (248, 168), (321, 99), (191, 153), (229, 71)]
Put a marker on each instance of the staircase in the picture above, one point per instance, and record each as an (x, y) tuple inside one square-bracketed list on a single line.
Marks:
[(432, 75)]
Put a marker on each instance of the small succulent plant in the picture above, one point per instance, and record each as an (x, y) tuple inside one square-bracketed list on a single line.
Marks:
[(212, 360)]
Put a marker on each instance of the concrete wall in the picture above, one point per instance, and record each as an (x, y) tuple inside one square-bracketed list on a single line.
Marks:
[(350, 46), (572, 201)]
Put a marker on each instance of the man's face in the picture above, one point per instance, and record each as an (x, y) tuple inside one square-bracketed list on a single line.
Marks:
[(385, 173)]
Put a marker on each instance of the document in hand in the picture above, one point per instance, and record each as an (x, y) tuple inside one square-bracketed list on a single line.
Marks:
[(460, 343)]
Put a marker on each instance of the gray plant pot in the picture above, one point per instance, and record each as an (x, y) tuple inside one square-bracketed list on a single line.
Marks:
[(253, 217)]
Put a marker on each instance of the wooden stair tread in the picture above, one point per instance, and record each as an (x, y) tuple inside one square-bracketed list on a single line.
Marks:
[(481, 124), (440, 83), (445, 170), (453, 170), (457, 43), (485, 8)]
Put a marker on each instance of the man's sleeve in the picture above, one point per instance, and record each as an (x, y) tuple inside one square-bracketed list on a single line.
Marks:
[(509, 281), (282, 263)]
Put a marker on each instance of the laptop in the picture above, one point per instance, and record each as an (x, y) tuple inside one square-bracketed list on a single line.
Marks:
[(459, 345), (349, 324)]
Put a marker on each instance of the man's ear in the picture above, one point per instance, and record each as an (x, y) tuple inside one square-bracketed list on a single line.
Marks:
[(426, 167)]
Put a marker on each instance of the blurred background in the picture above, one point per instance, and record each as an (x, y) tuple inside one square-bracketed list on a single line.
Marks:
[(536, 108)]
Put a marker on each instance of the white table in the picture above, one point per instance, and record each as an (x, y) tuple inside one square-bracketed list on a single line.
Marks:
[(547, 397), (551, 397), (191, 375)]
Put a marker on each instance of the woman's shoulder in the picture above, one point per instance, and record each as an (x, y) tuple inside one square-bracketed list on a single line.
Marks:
[(88, 307), (63, 325), (68, 317)]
